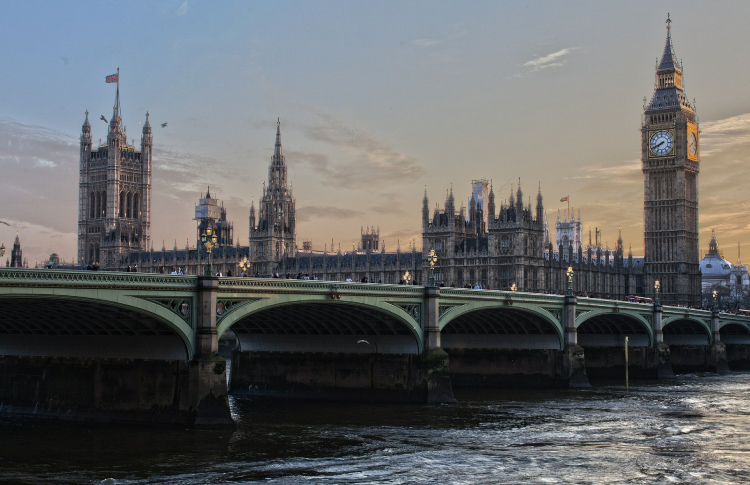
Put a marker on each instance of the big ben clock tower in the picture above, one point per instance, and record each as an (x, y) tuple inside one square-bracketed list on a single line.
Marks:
[(670, 163)]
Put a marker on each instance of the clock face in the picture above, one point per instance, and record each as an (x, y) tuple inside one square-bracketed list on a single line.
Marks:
[(692, 144), (661, 143)]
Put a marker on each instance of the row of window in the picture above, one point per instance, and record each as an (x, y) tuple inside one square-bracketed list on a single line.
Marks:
[(129, 205)]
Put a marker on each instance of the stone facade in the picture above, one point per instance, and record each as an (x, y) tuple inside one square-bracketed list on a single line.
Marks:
[(670, 164), (511, 250), (486, 245), (114, 215)]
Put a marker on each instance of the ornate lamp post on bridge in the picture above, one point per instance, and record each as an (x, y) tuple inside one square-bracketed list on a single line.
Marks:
[(569, 274), (209, 238), (432, 259), (407, 278), (2, 250), (244, 265), (657, 287), (715, 295)]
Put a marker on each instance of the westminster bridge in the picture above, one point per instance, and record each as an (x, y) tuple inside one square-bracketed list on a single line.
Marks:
[(122, 346)]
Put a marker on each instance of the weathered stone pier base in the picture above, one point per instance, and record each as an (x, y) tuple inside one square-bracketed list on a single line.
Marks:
[(738, 356), (699, 358), (643, 362), (116, 390), (518, 368), (350, 376)]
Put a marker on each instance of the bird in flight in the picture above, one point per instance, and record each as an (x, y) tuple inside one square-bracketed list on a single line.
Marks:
[(103, 119), (3, 222), (163, 125)]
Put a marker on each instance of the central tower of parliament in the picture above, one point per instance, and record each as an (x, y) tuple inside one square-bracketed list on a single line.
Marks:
[(503, 245)]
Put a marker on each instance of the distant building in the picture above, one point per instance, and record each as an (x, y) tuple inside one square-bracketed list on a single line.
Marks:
[(731, 282), (114, 215), (512, 251), (16, 255), (209, 213)]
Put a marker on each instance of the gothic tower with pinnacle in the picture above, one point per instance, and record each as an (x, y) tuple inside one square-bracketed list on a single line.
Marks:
[(273, 238), (114, 206), (670, 164)]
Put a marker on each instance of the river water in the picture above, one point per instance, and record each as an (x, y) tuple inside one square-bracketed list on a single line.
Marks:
[(693, 430)]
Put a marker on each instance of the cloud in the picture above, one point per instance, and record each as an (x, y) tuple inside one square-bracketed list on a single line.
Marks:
[(556, 59), (722, 134), (364, 162), (311, 212), (425, 42), (628, 171), (183, 8)]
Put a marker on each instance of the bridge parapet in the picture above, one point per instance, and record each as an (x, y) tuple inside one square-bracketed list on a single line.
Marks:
[(274, 285), (99, 279)]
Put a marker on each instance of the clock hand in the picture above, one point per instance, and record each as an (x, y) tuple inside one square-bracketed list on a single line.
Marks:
[(660, 144)]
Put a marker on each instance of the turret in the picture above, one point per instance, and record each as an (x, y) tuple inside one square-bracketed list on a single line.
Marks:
[(519, 199), (425, 210), (85, 140), (491, 206), (252, 217), (540, 205), (86, 128), (450, 207)]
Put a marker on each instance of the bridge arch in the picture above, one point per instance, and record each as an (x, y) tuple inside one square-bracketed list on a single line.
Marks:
[(684, 330), (490, 324), (316, 323), (609, 327), (735, 333), (56, 322)]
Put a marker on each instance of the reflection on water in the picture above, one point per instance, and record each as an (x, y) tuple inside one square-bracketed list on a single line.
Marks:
[(692, 430)]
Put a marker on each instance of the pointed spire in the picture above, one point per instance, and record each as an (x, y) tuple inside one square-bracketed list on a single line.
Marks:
[(668, 58), (147, 125), (277, 147), (86, 125), (519, 194), (116, 109)]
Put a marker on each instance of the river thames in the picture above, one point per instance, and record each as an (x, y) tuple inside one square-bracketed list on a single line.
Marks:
[(692, 430)]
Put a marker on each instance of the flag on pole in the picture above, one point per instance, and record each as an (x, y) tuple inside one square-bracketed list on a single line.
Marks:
[(564, 199), (113, 78)]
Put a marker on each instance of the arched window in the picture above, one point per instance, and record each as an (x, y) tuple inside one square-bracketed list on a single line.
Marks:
[(104, 203), (98, 204), (129, 206), (92, 205), (122, 204), (136, 206)]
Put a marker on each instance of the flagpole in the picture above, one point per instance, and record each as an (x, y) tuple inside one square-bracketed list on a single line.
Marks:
[(118, 92), (568, 197)]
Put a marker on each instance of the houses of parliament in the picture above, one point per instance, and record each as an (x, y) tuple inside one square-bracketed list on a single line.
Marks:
[(504, 245)]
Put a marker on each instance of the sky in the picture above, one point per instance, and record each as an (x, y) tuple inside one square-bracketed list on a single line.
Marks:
[(377, 100)]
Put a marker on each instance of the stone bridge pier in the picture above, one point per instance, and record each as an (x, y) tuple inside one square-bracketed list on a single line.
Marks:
[(602, 333), (338, 341), (111, 347), (208, 393)]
